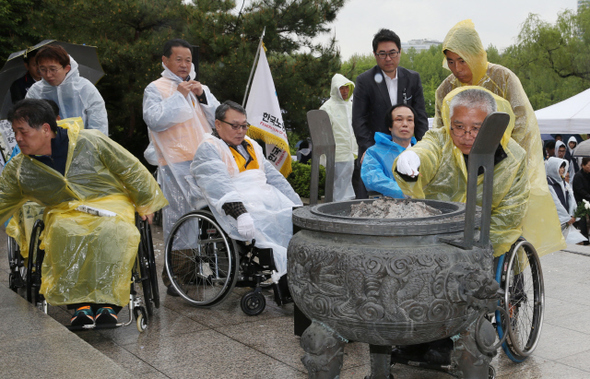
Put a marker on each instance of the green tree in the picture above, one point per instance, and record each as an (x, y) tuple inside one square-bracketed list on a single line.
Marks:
[(552, 61), (130, 34)]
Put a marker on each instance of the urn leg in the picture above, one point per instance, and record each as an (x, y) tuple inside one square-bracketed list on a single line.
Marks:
[(468, 361), (324, 352), (380, 362)]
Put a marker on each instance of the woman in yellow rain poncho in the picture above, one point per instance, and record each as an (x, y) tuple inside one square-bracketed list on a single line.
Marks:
[(467, 59), (443, 175), (88, 258)]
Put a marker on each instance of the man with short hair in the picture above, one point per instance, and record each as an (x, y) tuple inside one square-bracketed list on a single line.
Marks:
[(248, 197), (178, 111), (75, 96), (377, 90), (91, 187), (436, 167), (376, 171), (20, 87)]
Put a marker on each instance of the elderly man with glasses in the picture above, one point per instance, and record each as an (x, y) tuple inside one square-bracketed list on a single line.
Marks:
[(436, 167), (376, 91), (248, 197)]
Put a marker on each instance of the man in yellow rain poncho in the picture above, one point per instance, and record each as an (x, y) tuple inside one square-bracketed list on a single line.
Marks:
[(467, 60), (88, 258), (441, 157)]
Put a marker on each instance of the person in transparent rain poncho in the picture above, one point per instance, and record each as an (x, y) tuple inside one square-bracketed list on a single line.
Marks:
[(74, 95), (339, 108), (563, 197), (248, 197), (70, 170), (466, 58), (178, 111)]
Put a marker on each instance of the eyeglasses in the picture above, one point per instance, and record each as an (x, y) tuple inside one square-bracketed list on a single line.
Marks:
[(391, 54), (236, 127), (460, 131), (52, 70)]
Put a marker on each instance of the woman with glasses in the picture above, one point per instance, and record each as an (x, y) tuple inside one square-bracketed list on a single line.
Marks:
[(61, 82)]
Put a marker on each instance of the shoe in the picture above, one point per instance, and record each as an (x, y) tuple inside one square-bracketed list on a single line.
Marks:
[(106, 316), (83, 316), (172, 291)]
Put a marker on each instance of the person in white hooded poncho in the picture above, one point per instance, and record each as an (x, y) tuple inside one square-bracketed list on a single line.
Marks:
[(178, 112), (563, 196), (248, 197), (74, 95), (339, 108)]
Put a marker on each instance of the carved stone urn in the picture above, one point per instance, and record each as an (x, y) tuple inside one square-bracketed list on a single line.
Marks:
[(383, 281)]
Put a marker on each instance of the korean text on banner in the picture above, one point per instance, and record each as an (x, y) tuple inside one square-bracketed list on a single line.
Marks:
[(264, 115)]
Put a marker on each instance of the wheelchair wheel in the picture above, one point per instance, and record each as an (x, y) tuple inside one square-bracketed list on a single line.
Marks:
[(201, 259), (520, 274), (34, 265), (16, 263), (147, 268), (253, 302)]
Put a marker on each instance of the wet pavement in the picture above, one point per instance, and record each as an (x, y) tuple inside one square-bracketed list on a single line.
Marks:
[(222, 342)]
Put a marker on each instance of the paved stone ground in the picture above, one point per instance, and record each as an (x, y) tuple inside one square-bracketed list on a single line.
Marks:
[(222, 342)]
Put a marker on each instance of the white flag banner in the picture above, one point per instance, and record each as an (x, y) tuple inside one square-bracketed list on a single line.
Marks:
[(265, 118)]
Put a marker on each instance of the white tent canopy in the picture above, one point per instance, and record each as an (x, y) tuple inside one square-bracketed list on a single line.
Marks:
[(571, 116)]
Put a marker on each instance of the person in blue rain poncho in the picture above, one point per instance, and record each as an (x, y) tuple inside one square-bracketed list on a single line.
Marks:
[(68, 170), (376, 171)]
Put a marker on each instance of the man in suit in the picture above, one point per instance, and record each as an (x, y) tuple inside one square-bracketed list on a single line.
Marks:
[(376, 91)]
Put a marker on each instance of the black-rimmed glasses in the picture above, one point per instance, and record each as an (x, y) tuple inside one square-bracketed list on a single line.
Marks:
[(236, 127)]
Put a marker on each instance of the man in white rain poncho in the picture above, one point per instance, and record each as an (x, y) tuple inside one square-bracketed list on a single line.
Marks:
[(466, 58), (178, 112), (339, 108), (74, 95), (88, 258), (248, 197), (441, 156)]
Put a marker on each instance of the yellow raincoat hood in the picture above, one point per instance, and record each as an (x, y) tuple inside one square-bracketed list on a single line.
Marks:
[(464, 41), (443, 176)]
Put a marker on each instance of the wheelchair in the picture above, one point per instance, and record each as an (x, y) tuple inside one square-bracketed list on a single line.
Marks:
[(144, 274), (204, 265)]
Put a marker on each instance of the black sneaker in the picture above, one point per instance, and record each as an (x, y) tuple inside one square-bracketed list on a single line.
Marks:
[(105, 316), (83, 316), (172, 291)]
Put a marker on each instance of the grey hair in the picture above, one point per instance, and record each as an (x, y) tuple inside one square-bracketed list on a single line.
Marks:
[(474, 98), (227, 105)]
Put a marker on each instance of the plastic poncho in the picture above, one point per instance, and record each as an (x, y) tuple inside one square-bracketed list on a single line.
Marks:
[(176, 126), (376, 171), (565, 214), (266, 194), (464, 41), (76, 97), (574, 162), (443, 176), (88, 258), (340, 112)]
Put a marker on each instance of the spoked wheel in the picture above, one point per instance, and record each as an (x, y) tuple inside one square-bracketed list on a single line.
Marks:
[(201, 259), (16, 263), (34, 266), (147, 268), (253, 302), (521, 277)]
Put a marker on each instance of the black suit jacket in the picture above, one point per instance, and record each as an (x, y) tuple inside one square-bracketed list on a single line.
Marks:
[(371, 102)]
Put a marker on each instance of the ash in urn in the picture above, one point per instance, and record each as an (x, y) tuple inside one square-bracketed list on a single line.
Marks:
[(393, 208)]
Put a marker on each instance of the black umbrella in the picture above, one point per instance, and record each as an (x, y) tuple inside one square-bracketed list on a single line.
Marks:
[(86, 56)]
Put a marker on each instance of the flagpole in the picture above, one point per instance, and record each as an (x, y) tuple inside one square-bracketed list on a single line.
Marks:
[(253, 66)]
